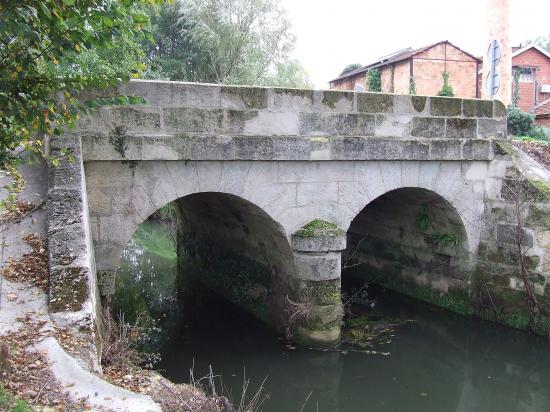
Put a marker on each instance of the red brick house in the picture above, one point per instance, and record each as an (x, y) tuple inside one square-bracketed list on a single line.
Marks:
[(533, 63), (426, 66)]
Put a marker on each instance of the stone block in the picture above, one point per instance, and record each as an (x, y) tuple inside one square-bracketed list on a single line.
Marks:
[(477, 108), (65, 208), (316, 193), (317, 293), (319, 243), (508, 235), (139, 119), (461, 129), (492, 128), (243, 97), (253, 148), (337, 124), (290, 148), (427, 127), (234, 121), (419, 103), (337, 100), (185, 120), (174, 94), (382, 149), (392, 125), (499, 110), (291, 99), (476, 150), (317, 267), (374, 103), (305, 171), (348, 148), (316, 338), (273, 124), (414, 150), (445, 106), (444, 149)]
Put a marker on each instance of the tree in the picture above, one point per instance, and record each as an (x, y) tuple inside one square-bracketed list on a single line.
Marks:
[(374, 82), (223, 41), (447, 89), (350, 68), (45, 48)]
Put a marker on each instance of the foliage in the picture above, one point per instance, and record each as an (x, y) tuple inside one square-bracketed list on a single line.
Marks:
[(521, 123), (515, 93), (50, 52), (8, 402), (221, 41), (424, 222), (412, 86), (374, 82), (350, 68), (447, 89)]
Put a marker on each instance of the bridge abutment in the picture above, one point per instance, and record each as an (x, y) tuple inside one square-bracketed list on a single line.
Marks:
[(316, 308)]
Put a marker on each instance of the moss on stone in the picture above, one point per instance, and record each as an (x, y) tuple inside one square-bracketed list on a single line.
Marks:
[(542, 188), (539, 217), (319, 227), (418, 102), (320, 293), (330, 98), (252, 97)]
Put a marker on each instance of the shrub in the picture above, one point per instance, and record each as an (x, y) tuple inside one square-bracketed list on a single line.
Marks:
[(374, 83), (521, 123), (447, 89)]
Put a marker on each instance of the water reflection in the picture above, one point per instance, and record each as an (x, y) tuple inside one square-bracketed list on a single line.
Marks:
[(441, 362)]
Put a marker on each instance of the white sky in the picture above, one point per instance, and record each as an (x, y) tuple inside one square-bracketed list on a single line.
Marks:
[(333, 33)]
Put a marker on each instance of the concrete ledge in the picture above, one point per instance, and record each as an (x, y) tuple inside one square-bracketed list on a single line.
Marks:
[(99, 147)]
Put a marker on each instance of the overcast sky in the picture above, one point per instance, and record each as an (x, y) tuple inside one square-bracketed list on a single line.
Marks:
[(333, 33)]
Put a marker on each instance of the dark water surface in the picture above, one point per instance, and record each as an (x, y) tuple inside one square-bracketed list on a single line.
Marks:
[(441, 362)]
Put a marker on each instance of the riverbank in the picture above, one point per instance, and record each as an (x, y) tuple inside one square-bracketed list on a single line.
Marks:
[(39, 363)]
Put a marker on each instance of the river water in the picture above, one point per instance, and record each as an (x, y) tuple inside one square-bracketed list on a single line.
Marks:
[(438, 362)]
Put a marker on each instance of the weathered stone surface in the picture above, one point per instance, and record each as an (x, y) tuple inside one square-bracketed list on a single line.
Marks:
[(374, 103), (336, 124), (382, 149), (243, 97), (445, 106), (445, 149), (461, 129), (317, 267), (428, 127), (297, 156), (413, 149), (477, 108), (492, 128)]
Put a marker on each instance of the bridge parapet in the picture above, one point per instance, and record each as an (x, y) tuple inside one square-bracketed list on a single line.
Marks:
[(189, 121)]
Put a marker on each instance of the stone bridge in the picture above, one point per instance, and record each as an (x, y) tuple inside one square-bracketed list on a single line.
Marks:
[(274, 188)]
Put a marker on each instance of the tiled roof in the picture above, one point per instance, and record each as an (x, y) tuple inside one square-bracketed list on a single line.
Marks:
[(543, 108)]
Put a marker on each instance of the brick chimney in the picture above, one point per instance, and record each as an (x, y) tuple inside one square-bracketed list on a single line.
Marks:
[(498, 28)]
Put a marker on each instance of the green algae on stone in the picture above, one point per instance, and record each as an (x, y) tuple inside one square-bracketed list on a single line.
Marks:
[(319, 227)]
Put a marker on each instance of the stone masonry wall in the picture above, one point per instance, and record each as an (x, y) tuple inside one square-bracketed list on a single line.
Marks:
[(73, 295), (206, 122)]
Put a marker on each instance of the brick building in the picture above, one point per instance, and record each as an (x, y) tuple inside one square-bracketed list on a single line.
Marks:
[(533, 63), (426, 66)]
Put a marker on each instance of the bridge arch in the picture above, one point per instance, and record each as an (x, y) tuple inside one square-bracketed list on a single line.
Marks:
[(228, 245), (410, 237)]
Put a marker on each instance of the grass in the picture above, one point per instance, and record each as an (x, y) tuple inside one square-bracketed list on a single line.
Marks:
[(531, 139), (9, 403), (319, 227)]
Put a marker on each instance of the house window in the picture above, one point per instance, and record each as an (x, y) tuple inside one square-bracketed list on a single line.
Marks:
[(526, 75)]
